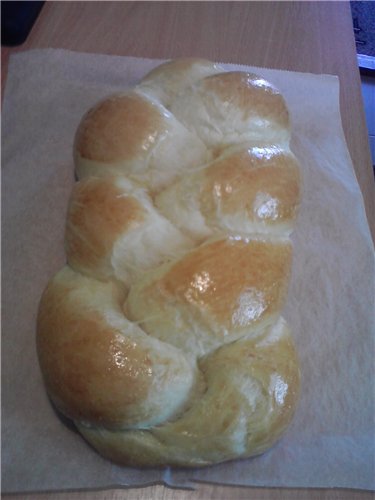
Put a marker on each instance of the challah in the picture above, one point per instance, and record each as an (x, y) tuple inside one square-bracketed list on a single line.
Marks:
[(162, 336)]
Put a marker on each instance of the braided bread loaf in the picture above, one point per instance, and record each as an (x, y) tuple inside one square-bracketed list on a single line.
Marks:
[(162, 336)]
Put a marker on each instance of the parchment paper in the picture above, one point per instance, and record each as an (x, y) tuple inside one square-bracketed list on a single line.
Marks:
[(330, 306)]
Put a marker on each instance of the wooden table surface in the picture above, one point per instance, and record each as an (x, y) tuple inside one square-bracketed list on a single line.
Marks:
[(311, 37)]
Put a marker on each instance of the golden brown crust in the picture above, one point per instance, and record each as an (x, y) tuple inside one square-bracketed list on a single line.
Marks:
[(119, 128), (99, 212), (235, 281), (211, 432), (92, 373), (213, 295), (168, 348), (261, 182), (98, 377), (249, 93), (98, 367)]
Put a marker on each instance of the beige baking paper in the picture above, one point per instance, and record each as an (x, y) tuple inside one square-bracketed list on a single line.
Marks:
[(330, 306)]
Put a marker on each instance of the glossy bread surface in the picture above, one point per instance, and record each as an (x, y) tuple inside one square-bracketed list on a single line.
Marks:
[(162, 337)]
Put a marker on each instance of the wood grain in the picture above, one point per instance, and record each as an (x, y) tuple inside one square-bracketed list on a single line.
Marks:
[(206, 492), (311, 37)]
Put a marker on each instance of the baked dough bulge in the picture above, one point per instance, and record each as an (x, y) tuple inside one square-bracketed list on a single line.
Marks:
[(162, 337)]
